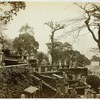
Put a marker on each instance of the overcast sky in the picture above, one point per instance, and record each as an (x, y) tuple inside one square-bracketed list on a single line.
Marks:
[(37, 13)]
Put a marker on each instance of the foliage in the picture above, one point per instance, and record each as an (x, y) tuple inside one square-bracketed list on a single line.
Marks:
[(59, 45), (14, 7), (95, 58), (80, 58), (60, 51), (93, 81), (6, 52), (54, 27), (25, 42), (64, 52), (41, 56), (7, 10), (26, 29), (14, 80)]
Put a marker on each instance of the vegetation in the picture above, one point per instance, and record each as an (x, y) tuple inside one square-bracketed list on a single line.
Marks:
[(93, 81), (95, 58), (54, 27), (14, 80), (41, 56), (63, 52), (90, 20), (26, 42), (7, 15)]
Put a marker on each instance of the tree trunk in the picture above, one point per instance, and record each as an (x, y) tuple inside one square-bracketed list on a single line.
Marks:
[(99, 51), (52, 48), (99, 43)]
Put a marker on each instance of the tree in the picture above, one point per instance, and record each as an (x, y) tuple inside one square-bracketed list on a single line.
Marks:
[(41, 56), (7, 10), (54, 27), (90, 20), (93, 81), (26, 43), (60, 51), (12, 9), (3, 40), (81, 59), (26, 29), (95, 58), (63, 52)]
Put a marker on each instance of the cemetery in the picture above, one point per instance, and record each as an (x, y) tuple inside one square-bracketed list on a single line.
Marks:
[(45, 51), (42, 81)]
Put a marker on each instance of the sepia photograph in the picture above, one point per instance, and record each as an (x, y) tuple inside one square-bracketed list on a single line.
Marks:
[(49, 49)]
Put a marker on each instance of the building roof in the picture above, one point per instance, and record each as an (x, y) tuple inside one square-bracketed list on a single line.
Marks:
[(31, 89)]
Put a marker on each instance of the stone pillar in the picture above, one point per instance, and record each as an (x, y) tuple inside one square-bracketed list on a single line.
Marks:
[(86, 91), (1, 58), (39, 69), (74, 64), (58, 88), (33, 68), (83, 79), (89, 93), (99, 90), (94, 94), (65, 62), (46, 69), (79, 76), (71, 64), (65, 76), (66, 88), (60, 67), (27, 57), (22, 57), (59, 63), (22, 95), (73, 77)]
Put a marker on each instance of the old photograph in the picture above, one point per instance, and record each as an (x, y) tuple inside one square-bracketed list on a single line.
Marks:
[(49, 49)]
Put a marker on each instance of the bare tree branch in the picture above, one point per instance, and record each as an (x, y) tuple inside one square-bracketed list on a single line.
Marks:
[(87, 24), (55, 26)]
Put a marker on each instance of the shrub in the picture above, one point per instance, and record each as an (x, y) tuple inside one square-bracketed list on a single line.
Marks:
[(93, 81)]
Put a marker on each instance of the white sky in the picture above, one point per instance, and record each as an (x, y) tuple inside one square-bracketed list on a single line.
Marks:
[(36, 14)]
